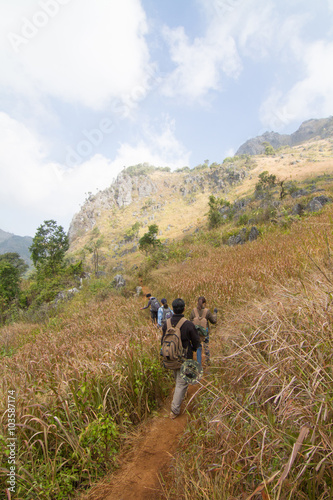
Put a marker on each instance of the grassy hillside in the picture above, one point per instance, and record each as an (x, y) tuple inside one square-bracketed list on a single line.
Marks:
[(260, 423), (182, 212)]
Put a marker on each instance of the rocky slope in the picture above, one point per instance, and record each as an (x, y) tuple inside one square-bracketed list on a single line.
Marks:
[(310, 129), (177, 202), (148, 193)]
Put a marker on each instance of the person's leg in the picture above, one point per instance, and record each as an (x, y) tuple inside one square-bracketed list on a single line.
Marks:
[(153, 315), (206, 349), (179, 394), (199, 355)]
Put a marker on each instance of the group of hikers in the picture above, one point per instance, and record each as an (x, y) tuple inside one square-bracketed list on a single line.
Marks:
[(191, 332)]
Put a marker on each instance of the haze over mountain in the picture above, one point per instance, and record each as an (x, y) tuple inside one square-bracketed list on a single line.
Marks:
[(12, 243)]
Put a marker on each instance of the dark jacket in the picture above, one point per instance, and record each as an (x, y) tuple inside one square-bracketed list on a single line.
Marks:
[(189, 335)]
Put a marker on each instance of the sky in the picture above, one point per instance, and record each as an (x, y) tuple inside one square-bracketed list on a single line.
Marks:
[(88, 87)]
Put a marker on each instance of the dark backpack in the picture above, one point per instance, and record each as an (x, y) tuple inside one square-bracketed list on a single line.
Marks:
[(172, 350), (154, 304)]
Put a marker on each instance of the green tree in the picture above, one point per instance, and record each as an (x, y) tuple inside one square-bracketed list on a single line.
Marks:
[(94, 248), (269, 150), (149, 241), (217, 209), (132, 232), (48, 248), (9, 281), (14, 259), (266, 181)]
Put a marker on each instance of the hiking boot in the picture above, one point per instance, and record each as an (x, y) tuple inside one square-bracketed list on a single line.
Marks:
[(173, 415)]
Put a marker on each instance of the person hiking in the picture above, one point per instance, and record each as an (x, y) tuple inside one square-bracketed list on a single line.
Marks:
[(200, 315), (190, 340), (163, 313), (154, 305)]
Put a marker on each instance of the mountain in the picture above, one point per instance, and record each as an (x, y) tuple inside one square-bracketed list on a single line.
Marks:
[(12, 243), (110, 223), (310, 129)]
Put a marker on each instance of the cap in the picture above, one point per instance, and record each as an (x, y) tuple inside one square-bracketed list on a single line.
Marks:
[(164, 301)]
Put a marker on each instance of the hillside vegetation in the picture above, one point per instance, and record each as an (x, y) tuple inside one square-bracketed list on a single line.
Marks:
[(260, 424)]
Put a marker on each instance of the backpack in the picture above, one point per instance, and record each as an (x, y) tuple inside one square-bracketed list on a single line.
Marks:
[(167, 313), (172, 350), (154, 305), (201, 322)]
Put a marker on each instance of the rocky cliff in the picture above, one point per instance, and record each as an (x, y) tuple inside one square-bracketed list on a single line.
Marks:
[(147, 193), (310, 129)]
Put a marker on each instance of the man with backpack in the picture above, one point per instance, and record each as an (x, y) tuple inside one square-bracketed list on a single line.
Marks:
[(164, 313), (179, 339), (154, 305)]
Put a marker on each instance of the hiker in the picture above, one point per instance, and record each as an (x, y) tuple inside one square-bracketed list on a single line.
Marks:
[(163, 313), (154, 305), (200, 316), (190, 340)]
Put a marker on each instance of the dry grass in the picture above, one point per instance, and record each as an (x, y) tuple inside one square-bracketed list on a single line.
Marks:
[(80, 385), (262, 420), (263, 423)]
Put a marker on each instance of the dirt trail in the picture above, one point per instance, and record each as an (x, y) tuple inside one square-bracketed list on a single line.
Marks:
[(138, 477)]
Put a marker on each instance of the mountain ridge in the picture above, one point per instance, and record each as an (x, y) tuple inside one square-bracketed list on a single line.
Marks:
[(10, 242), (309, 129)]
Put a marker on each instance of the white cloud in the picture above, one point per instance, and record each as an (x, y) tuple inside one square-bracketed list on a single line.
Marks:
[(34, 189), (311, 96), (85, 52), (157, 148), (199, 64)]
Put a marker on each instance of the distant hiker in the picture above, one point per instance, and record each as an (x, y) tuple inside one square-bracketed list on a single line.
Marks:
[(200, 316), (154, 305), (190, 341), (164, 313)]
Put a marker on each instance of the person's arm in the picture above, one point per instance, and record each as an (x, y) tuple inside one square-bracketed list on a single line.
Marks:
[(195, 337), (212, 317), (146, 307)]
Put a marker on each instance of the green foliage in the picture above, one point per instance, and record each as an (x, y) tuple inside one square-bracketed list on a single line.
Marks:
[(100, 437), (48, 248), (217, 209), (93, 247), (139, 169), (266, 181), (132, 232), (9, 291), (269, 150), (149, 241), (243, 220), (9, 281), (230, 159), (14, 259), (183, 169)]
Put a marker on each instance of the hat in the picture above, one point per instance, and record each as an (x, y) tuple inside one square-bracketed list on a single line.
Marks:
[(164, 301), (191, 371)]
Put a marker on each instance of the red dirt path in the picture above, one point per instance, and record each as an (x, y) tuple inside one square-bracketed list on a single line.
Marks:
[(151, 454)]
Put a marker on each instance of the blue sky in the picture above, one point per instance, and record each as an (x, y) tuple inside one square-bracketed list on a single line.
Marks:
[(88, 87)]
